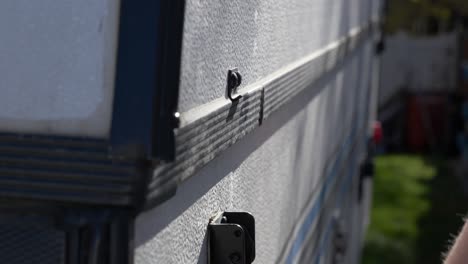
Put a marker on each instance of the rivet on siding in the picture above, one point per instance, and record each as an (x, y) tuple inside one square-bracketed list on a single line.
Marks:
[(235, 258), (176, 120)]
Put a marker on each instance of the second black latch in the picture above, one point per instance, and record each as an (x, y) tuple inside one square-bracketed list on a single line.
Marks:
[(231, 238)]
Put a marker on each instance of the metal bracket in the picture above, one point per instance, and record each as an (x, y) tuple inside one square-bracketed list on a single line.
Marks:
[(231, 238), (380, 46)]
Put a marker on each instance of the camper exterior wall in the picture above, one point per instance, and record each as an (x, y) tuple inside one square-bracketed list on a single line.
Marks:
[(300, 168)]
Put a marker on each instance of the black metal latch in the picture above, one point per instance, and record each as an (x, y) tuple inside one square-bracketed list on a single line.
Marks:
[(231, 238), (234, 80)]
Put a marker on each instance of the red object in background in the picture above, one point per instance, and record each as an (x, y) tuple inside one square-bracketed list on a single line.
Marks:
[(426, 121), (377, 135)]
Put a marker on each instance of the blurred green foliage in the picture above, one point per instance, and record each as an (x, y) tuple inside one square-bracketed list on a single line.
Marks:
[(418, 206), (398, 203), (412, 15), (444, 219)]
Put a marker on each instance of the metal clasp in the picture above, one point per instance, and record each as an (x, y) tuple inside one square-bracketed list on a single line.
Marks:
[(234, 80), (231, 238)]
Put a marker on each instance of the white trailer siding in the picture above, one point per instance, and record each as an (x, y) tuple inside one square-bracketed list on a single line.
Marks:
[(258, 37), (57, 63), (301, 163)]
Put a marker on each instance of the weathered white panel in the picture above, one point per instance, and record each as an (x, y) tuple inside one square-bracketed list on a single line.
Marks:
[(418, 64), (258, 37), (270, 173), (57, 60)]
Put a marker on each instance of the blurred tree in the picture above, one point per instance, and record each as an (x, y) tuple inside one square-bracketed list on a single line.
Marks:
[(424, 16)]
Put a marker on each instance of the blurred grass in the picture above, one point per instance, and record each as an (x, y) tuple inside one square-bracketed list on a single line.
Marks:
[(444, 219), (417, 205)]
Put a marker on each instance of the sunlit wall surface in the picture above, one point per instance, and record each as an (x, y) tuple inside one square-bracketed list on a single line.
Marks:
[(276, 172)]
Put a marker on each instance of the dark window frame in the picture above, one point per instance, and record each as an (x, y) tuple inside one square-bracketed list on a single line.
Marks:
[(147, 79)]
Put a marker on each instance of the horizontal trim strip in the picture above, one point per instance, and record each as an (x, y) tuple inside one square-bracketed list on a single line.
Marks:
[(63, 174), (57, 141), (101, 198), (206, 131), (66, 170)]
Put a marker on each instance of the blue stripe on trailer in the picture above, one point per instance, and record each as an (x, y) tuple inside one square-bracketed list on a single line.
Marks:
[(306, 225), (345, 186)]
